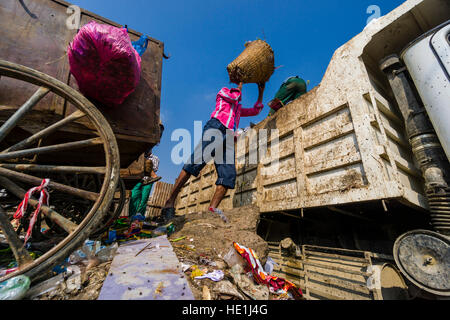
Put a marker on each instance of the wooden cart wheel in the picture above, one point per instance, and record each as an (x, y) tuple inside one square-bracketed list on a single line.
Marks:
[(76, 210), (80, 142), (114, 211)]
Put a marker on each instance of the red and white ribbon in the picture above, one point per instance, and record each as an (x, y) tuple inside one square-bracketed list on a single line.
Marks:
[(43, 200)]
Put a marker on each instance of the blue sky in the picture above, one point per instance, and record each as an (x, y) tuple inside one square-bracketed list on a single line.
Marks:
[(204, 36)]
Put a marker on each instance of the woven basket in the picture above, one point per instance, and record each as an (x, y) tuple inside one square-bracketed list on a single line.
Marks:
[(256, 64)]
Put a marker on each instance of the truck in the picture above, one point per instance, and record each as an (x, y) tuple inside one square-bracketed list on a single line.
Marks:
[(356, 171)]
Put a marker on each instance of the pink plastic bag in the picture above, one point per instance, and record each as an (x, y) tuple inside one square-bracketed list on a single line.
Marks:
[(105, 65)]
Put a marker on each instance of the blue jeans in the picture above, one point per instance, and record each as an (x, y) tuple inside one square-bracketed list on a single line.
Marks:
[(222, 152)]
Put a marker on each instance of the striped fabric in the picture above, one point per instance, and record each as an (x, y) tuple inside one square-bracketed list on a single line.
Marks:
[(275, 284)]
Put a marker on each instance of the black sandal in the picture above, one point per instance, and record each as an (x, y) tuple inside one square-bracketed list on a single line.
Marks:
[(167, 215), (153, 180), (148, 180)]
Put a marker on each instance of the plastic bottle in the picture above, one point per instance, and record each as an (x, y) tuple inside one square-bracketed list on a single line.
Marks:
[(15, 288), (268, 268), (160, 231)]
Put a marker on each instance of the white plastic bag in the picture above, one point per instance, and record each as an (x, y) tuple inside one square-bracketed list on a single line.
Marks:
[(15, 288)]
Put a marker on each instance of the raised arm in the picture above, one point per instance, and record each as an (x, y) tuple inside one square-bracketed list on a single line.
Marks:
[(261, 88), (251, 112)]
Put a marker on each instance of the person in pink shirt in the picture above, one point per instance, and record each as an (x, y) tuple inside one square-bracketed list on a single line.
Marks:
[(218, 136)]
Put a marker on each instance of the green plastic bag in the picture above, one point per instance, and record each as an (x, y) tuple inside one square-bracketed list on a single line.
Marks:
[(139, 199), (15, 288)]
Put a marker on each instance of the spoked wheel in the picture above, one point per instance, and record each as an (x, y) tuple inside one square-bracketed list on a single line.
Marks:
[(37, 144), (115, 209), (76, 209)]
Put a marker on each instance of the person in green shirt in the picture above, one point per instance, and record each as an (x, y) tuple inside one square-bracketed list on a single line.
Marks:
[(139, 198), (290, 90)]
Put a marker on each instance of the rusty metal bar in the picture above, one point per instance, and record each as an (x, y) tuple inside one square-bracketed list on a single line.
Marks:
[(49, 149), (64, 223), (57, 186), (12, 121), (20, 253), (52, 169), (47, 131)]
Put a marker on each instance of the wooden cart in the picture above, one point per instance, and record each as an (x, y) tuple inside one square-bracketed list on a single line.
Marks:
[(50, 130)]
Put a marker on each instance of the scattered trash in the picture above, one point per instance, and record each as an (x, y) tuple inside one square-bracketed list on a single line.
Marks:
[(185, 267), (276, 285), (45, 287), (136, 226), (284, 296), (150, 225), (233, 258), (112, 237), (62, 268), (73, 283), (220, 213), (3, 193), (225, 289), (146, 247), (207, 262), (15, 288), (4, 272), (107, 253), (83, 277), (146, 234), (215, 276), (92, 254), (248, 285), (168, 229), (179, 239), (268, 268), (156, 247), (196, 272)]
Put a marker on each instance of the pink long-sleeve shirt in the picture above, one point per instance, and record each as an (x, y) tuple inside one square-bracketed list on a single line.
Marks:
[(229, 110)]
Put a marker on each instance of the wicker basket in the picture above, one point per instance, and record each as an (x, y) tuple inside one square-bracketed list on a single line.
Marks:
[(256, 64)]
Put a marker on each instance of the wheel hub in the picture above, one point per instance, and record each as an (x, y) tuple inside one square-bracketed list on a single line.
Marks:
[(424, 258)]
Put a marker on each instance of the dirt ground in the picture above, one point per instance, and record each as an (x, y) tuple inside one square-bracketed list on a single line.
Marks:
[(206, 240)]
